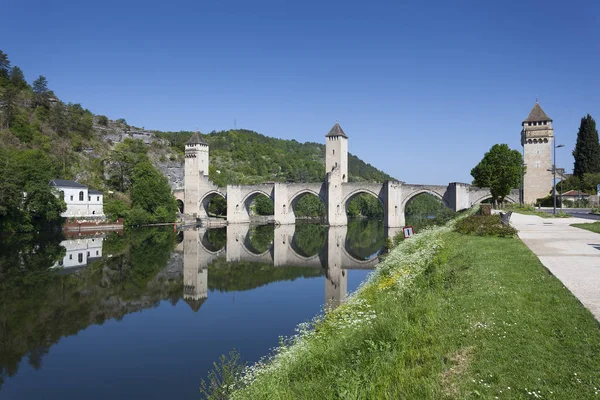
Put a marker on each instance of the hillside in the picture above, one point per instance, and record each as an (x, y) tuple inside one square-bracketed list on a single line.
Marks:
[(42, 138), (246, 157)]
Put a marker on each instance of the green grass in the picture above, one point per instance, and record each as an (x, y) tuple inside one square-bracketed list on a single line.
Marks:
[(592, 226), (530, 210), (483, 318)]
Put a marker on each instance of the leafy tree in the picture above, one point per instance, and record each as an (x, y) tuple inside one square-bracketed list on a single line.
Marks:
[(4, 64), (587, 148), (40, 91), (500, 170), (17, 78), (263, 205), (8, 105), (123, 160), (150, 192), (102, 120)]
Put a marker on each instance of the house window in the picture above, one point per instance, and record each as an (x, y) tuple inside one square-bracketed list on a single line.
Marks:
[(70, 256), (60, 262), (89, 198), (62, 195), (97, 198), (71, 198), (80, 257), (96, 252), (93, 212), (81, 196), (88, 253)]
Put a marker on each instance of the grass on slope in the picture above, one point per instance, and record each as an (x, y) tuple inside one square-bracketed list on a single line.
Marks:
[(592, 226), (485, 320), (530, 210)]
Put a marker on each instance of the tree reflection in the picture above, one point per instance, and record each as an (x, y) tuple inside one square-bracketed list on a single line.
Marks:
[(365, 239), (309, 239)]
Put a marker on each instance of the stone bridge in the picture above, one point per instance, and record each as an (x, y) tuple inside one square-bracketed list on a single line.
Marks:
[(335, 193), (394, 196)]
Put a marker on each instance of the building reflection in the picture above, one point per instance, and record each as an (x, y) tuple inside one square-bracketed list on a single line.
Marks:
[(80, 251), (333, 257)]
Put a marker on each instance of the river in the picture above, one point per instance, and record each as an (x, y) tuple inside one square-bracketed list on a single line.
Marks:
[(146, 313)]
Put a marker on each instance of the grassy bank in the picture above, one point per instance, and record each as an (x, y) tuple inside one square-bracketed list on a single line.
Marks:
[(531, 210), (593, 226), (445, 316)]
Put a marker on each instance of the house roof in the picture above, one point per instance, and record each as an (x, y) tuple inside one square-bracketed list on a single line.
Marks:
[(537, 114), (66, 183), (196, 139), (94, 191), (336, 131), (574, 193)]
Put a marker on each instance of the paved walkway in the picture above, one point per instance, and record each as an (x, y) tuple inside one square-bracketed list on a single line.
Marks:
[(571, 254)]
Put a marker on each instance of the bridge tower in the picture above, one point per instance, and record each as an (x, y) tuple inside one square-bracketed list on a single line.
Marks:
[(336, 149), (336, 173), (537, 139), (196, 167)]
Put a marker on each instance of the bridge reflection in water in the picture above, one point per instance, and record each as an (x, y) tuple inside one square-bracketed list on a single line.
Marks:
[(334, 256)]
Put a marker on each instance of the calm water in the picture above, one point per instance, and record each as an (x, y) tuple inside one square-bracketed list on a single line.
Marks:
[(145, 314)]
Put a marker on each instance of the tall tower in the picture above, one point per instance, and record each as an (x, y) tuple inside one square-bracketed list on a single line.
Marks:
[(537, 139), (336, 151), (196, 165)]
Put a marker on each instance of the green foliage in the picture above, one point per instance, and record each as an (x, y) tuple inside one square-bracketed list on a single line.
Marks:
[(115, 208), (102, 120), (247, 157), (263, 205), (122, 160), (223, 379), (151, 193), (587, 148), (309, 239), (484, 225), (217, 206), (309, 205), (364, 205), (41, 92), (500, 170), (17, 78)]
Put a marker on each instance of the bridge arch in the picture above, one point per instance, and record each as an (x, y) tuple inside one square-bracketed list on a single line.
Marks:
[(350, 196), (433, 193), (303, 195), (208, 198)]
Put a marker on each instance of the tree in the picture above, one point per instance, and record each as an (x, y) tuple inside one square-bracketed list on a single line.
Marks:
[(500, 170), (40, 91), (17, 78), (122, 161), (150, 192), (587, 148), (8, 104), (4, 64)]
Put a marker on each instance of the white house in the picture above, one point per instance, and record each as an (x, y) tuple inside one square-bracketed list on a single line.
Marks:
[(80, 252), (81, 201)]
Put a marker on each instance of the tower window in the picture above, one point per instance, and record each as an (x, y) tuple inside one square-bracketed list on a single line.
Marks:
[(529, 123), (545, 140), (333, 151)]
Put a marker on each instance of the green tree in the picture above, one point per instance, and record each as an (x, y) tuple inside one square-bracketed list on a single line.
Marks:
[(17, 78), (123, 160), (500, 170), (4, 64), (8, 105), (587, 148), (150, 192), (40, 91)]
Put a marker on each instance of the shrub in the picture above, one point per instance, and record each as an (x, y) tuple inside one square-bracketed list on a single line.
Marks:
[(484, 225), (139, 216), (102, 120)]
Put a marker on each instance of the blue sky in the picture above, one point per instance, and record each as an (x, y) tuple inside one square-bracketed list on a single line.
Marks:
[(422, 89)]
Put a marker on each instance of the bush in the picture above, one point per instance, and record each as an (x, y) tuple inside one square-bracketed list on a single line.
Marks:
[(115, 208), (484, 225), (138, 216), (102, 120)]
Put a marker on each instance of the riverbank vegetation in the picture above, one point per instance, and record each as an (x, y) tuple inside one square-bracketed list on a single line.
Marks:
[(445, 315), (531, 210)]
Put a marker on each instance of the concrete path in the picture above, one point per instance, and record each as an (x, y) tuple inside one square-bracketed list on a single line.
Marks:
[(571, 254)]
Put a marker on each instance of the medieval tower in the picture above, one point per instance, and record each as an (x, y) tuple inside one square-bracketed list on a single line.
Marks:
[(537, 139), (196, 166), (336, 149)]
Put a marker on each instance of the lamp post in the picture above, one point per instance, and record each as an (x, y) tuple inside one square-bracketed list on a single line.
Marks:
[(554, 170)]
